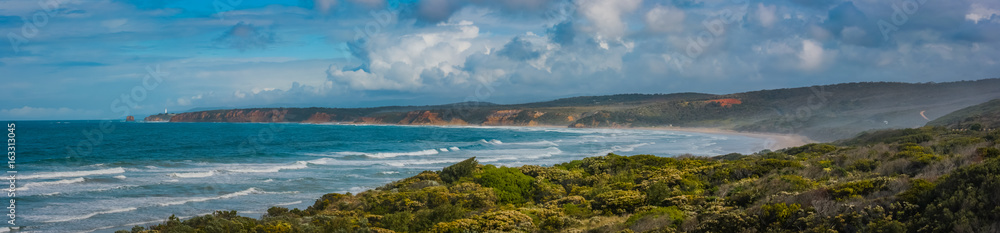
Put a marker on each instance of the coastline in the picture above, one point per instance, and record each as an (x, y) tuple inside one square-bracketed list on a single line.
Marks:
[(776, 141)]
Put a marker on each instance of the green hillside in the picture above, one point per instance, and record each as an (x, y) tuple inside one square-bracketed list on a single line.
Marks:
[(978, 117)]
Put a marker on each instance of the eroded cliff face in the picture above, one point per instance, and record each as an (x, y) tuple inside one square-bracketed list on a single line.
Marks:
[(513, 117), (240, 115), (320, 117), (424, 117), (428, 118)]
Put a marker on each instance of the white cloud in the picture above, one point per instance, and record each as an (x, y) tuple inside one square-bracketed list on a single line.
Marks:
[(665, 19), (811, 56), (766, 14), (978, 12), (606, 15), (397, 62)]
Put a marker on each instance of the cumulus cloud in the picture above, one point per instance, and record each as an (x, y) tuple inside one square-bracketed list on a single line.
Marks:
[(979, 12), (606, 15), (396, 62), (665, 19), (811, 55)]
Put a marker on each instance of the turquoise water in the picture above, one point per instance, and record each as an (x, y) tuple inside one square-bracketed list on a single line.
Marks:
[(75, 177)]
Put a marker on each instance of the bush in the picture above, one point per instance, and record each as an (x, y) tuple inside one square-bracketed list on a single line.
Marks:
[(988, 152), (655, 218), (778, 213), (619, 201), (857, 188), (510, 185), (810, 150), (457, 171), (864, 165)]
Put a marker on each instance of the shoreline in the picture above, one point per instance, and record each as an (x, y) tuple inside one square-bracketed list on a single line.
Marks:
[(775, 141)]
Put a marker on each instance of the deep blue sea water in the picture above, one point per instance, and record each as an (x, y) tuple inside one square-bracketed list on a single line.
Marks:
[(73, 179)]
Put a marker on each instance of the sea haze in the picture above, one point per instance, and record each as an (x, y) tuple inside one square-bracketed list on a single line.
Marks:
[(140, 173)]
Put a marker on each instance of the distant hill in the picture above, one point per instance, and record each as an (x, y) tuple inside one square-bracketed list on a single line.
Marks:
[(985, 115), (823, 113)]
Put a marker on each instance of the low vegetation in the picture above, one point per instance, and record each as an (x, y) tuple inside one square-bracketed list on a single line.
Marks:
[(929, 179)]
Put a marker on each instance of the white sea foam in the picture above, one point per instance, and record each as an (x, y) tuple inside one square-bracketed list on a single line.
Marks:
[(273, 169), (491, 141), (403, 163), (630, 148), (289, 203), (388, 172), (203, 199), (86, 216), (193, 174), (336, 154), (49, 183), (454, 148), (443, 149), (397, 154), (120, 177), (538, 143), (50, 175)]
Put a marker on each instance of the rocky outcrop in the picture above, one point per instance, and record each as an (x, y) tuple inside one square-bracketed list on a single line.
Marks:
[(726, 102), (320, 117), (130, 118), (239, 115), (159, 118)]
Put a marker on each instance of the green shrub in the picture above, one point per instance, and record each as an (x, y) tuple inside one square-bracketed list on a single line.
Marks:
[(510, 185), (810, 150), (864, 165), (856, 189), (619, 201), (988, 152), (778, 213), (917, 154), (796, 183), (655, 218), (457, 171)]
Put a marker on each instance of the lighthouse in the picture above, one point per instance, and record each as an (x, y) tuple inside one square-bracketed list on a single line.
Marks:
[(164, 110)]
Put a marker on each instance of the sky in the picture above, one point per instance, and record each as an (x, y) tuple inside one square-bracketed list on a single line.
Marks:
[(98, 59)]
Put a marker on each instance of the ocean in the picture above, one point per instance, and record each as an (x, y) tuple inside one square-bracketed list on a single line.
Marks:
[(102, 176)]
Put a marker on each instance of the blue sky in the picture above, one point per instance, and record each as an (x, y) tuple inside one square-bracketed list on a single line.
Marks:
[(93, 59)]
